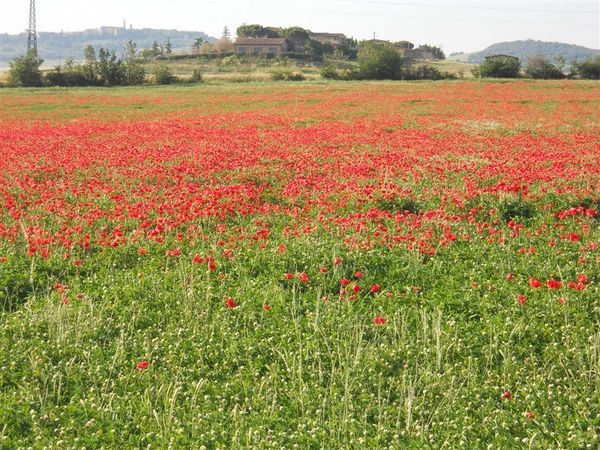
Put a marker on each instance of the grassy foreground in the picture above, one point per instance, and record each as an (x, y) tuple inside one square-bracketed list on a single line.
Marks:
[(312, 265)]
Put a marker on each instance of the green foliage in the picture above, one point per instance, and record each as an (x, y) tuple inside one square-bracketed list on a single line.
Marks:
[(196, 77), (379, 61), (25, 71), (590, 68), (256, 31), (424, 72), (516, 208), (500, 66), (431, 51), (162, 74), (540, 68), (69, 74), (287, 75), (329, 72)]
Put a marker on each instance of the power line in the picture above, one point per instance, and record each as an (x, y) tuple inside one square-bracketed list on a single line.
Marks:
[(453, 5), (255, 6)]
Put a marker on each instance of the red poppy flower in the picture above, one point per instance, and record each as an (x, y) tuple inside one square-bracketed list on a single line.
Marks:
[(78, 262), (143, 365), (345, 282), (303, 277), (582, 278), (375, 288), (230, 303), (356, 288), (266, 307), (337, 261), (379, 320), (510, 277), (522, 299), (554, 284), (506, 394), (534, 283), (282, 249), (358, 275), (323, 269), (530, 415), (289, 276)]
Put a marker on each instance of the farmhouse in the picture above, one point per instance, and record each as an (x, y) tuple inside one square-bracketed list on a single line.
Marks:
[(260, 46), (329, 38)]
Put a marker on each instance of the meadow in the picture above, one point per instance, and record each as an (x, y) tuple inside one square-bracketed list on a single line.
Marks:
[(301, 265)]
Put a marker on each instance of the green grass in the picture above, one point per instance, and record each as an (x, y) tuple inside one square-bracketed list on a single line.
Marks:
[(314, 371)]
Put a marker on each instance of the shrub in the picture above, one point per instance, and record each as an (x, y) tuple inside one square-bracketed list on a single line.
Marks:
[(590, 68), (379, 61), (539, 68), (162, 74), (424, 72), (68, 75), (500, 66), (196, 77), (25, 71), (287, 75), (329, 73)]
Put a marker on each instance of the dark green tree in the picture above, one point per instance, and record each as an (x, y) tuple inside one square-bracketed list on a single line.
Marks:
[(590, 68), (500, 66), (540, 68), (379, 61), (134, 72), (197, 45), (255, 31), (25, 71), (89, 66), (109, 68), (168, 48)]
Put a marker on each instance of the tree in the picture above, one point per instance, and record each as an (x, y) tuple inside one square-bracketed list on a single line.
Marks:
[(110, 69), (89, 66), (432, 51), (168, 47), (379, 61), (255, 31), (500, 66), (226, 33), (590, 68), (405, 44), (197, 45), (134, 72), (539, 68), (25, 71), (156, 50)]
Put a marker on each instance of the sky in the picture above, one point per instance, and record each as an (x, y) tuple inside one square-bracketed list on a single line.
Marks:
[(455, 25)]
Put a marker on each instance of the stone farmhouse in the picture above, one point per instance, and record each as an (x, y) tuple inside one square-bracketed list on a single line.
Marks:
[(260, 46), (329, 38)]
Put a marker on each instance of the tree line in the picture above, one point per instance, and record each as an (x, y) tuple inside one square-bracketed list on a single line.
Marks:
[(538, 67), (101, 68)]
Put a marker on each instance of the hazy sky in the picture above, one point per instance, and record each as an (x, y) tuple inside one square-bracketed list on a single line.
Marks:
[(456, 25)]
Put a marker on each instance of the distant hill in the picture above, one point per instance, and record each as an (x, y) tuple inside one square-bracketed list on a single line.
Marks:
[(55, 47), (525, 49)]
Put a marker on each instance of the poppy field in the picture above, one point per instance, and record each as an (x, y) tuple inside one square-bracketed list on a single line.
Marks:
[(310, 265)]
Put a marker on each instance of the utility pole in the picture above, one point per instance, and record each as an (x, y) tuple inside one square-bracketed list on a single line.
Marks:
[(32, 48)]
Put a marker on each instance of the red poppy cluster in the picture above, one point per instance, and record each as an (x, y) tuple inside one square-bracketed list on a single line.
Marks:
[(164, 183)]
